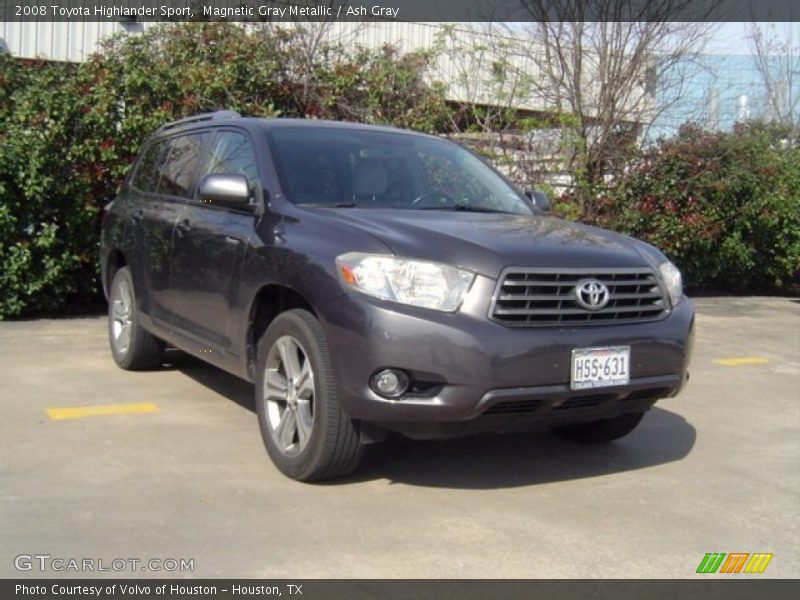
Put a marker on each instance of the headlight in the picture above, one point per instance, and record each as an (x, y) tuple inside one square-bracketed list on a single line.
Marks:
[(673, 281), (413, 282)]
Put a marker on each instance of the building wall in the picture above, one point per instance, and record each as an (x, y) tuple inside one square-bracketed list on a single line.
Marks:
[(72, 42), (75, 42), (465, 65)]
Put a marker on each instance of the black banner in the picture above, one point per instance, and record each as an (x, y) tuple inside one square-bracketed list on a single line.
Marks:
[(714, 588), (131, 11)]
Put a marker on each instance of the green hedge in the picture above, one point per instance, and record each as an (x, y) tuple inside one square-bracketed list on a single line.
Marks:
[(68, 133), (48, 212), (725, 207)]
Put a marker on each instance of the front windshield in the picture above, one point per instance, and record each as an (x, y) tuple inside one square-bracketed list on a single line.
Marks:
[(372, 169)]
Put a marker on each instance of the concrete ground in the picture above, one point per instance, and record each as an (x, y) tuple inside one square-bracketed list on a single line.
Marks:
[(715, 470)]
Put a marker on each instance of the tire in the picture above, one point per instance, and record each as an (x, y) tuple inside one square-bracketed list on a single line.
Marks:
[(602, 431), (133, 348), (306, 434)]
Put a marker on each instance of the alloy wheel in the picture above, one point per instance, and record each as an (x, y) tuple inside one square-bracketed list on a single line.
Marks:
[(122, 315), (289, 394)]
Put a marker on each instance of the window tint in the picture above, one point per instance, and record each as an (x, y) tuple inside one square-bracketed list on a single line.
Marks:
[(450, 179), (321, 167), (371, 168), (148, 171), (313, 177), (232, 152), (185, 152)]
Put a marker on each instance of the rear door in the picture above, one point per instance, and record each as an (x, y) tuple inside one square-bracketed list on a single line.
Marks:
[(164, 180), (209, 247), (151, 219), (185, 157)]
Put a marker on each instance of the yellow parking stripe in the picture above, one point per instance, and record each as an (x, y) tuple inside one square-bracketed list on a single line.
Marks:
[(743, 360), (79, 412)]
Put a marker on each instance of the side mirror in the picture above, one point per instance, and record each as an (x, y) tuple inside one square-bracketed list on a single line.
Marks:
[(539, 200), (231, 189)]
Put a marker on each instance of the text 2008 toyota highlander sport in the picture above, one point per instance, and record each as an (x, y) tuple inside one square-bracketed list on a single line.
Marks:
[(368, 279)]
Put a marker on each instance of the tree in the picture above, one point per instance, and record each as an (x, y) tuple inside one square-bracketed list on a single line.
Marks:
[(777, 60), (491, 86), (310, 45), (600, 65)]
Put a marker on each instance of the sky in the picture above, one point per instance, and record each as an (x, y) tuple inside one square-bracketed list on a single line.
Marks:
[(732, 38)]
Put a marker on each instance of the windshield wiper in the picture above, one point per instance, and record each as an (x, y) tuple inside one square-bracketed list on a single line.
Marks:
[(331, 204), (466, 208)]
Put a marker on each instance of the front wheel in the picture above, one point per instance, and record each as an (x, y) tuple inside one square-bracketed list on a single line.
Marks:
[(602, 431), (307, 435)]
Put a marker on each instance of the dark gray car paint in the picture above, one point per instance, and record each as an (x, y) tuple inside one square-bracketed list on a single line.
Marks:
[(198, 288)]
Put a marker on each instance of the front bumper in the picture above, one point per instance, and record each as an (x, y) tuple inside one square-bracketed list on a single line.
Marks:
[(470, 366)]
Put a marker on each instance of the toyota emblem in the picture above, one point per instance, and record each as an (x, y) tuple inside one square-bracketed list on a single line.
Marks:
[(591, 294)]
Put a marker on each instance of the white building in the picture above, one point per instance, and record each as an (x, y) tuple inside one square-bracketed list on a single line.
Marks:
[(468, 64)]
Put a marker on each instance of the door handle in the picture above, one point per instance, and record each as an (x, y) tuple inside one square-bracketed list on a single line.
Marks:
[(183, 227), (232, 240), (137, 216)]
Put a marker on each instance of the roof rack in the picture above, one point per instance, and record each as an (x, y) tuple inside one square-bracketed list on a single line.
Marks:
[(212, 116)]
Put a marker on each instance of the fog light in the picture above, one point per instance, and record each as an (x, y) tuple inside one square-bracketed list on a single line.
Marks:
[(389, 383)]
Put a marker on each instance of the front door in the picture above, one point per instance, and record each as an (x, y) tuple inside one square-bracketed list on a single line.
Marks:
[(209, 247)]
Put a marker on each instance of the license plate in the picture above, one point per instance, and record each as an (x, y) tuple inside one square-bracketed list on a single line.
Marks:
[(600, 367)]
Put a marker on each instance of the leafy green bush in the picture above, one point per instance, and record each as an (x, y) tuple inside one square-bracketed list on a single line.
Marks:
[(47, 211), (381, 86), (725, 207), (68, 133)]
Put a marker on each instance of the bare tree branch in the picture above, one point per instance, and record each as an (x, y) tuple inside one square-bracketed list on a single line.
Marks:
[(778, 63), (601, 65)]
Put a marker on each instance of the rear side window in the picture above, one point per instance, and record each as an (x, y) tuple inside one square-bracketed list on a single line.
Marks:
[(233, 152), (151, 161), (185, 153)]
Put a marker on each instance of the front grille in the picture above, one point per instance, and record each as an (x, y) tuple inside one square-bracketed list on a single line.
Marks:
[(578, 404), (528, 297), (515, 408), (585, 402), (648, 394)]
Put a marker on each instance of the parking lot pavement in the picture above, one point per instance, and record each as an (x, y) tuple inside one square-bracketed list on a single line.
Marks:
[(185, 475)]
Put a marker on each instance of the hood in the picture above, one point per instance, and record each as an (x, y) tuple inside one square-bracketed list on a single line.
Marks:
[(488, 242)]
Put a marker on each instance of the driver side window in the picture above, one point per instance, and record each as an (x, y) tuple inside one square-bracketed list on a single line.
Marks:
[(233, 152)]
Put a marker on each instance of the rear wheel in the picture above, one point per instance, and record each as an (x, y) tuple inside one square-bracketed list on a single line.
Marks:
[(306, 434), (133, 348), (602, 431)]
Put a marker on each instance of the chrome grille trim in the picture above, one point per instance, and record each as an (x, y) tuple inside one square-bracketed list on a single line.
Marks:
[(545, 297)]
